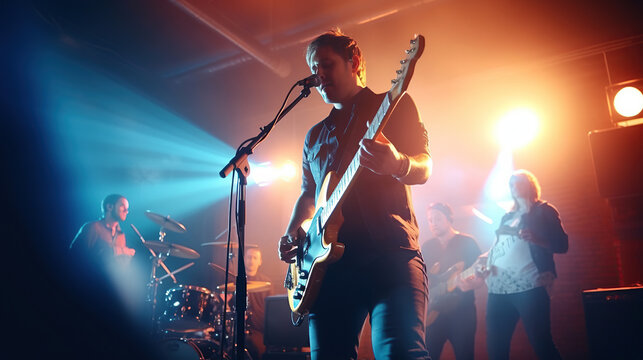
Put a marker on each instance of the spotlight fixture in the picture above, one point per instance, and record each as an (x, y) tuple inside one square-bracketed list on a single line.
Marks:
[(625, 102)]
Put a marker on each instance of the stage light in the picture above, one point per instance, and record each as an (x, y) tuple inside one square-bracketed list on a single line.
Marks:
[(265, 173), (625, 102), (288, 171), (628, 101), (517, 128)]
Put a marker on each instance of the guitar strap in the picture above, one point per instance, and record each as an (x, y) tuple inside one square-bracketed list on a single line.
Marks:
[(341, 156)]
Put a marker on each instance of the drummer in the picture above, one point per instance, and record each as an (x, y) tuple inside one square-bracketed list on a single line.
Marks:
[(256, 303), (101, 261), (103, 239)]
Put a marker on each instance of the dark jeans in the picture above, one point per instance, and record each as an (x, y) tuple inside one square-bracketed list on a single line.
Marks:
[(457, 326), (392, 289), (503, 312)]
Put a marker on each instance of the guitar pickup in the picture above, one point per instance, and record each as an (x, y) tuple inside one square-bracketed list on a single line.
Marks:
[(288, 281), (319, 225)]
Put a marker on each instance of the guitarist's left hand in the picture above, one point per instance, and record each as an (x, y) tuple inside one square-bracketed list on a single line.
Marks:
[(380, 156)]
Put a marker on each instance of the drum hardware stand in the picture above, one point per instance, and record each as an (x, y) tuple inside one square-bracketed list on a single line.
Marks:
[(240, 163), (154, 282)]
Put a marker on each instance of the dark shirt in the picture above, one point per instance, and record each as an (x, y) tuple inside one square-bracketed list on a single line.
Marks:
[(378, 213), (460, 247), (95, 241), (256, 303)]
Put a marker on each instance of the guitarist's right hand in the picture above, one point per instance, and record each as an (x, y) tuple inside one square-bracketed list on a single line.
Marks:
[(288, 245)]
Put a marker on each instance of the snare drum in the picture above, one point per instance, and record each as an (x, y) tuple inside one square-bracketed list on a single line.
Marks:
[(189, 308)]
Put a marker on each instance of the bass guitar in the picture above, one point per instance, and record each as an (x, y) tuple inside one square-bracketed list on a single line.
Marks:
[(446, 283), (320, 247)]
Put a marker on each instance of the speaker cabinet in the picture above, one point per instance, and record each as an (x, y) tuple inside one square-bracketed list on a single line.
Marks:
[(279, 330), (618, 159), (614, 322)]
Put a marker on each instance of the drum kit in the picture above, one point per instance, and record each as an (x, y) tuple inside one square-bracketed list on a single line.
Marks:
[(190, 321)]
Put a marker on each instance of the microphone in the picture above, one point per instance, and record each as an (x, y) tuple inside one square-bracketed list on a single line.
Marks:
[(312, 81)]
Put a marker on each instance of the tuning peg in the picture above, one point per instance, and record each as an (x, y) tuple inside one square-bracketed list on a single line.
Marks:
[(408, 51), (403, 61), (394, 81), (413, 41), (398, 71)]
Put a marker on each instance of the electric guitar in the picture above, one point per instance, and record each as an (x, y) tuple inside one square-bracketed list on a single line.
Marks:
[(320, 247), (444, 284)]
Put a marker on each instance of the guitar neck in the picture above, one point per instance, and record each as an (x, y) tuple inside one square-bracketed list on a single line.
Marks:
[(462, 275), (376, 126)]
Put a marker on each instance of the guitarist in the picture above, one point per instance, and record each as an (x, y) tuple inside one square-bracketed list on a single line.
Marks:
[(381, 273), (456, 311)]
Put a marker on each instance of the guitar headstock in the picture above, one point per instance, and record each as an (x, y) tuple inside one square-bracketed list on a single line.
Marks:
[(404, 74)]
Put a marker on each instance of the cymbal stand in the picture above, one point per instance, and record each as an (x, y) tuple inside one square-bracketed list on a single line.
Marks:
[(153, 288), (154, 281)]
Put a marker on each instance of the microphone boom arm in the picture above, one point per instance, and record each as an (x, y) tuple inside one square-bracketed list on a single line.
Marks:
[(239, 161)]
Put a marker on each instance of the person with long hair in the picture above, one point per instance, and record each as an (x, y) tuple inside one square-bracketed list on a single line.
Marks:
[(520, 270)]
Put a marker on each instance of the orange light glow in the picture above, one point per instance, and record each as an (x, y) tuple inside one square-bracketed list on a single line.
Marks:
[(517, 128)]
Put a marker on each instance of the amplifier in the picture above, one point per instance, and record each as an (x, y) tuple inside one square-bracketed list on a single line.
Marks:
[(614, 322), (279, 330)]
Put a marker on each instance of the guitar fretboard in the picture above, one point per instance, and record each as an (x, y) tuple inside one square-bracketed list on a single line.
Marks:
[(353, 167)]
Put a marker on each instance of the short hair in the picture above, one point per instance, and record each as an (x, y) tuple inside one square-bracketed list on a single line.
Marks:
[(255, 248), (342, 44), (534, 185), (110, 199), (443, 208)]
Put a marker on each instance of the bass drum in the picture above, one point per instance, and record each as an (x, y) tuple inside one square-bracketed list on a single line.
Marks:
[(188, 349), (197, 349), (189, 308)]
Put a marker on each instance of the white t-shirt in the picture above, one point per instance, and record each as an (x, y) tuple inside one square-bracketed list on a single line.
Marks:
[(512, 267)]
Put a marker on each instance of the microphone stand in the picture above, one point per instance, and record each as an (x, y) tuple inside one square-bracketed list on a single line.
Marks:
[(240, 163)]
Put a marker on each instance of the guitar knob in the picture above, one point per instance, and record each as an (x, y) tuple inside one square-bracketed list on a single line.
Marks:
[(303, 274), (301, 287), (297, 296)]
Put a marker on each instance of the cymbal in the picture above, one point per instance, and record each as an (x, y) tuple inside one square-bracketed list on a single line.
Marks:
[(166, 222), (225, 243), (175, 250), (252, 286)]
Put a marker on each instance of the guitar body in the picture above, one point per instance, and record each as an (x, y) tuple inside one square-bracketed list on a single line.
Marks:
[(316, 251), (446, 283)]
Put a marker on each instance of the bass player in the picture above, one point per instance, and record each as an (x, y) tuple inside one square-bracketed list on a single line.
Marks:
[(452, 314)]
